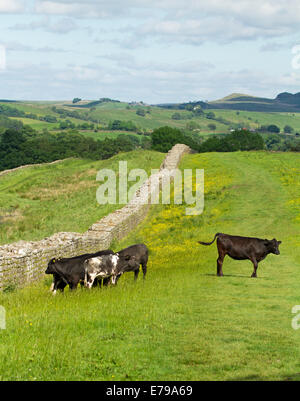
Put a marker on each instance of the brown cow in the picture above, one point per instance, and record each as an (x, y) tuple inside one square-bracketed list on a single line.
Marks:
[(241, 248)]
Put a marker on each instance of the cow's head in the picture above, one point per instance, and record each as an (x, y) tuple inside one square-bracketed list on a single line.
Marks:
[(273, 246), (128, 262), (51, 266)]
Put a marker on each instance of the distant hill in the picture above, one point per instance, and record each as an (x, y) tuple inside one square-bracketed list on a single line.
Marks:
[(284, 102), (87, 104)]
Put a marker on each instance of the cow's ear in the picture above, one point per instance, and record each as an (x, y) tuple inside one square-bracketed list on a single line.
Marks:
[(279, 242)]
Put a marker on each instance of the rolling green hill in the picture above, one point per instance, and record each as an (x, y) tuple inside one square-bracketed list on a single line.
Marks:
[(284, 102), (94, 118), (183, 322)]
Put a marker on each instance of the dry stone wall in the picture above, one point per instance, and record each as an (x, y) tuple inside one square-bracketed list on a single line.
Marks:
[(5, 172), (25, 262)]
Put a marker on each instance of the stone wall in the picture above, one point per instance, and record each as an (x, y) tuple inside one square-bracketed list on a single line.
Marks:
[(25, 262), (5, 172)]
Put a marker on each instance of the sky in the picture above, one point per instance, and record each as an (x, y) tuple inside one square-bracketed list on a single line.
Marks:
[(156, 51)]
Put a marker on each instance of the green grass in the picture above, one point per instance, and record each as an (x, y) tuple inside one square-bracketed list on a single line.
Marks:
[(183, 322), (106, 112), (42, 109), (36, 124), (158, 117), (100, 135), (39, 201), (256, 119)]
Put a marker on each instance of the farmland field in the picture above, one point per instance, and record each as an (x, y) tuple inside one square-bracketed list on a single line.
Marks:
[(154, 117), (255, 118), (39, 201), (183, 322)]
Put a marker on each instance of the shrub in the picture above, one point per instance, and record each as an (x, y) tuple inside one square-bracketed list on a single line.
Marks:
[(164, 138), (237, 140)]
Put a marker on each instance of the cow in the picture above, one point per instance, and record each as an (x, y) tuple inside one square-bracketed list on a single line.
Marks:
[(242, 248), (107, 267), (70, 271), (140, 253)]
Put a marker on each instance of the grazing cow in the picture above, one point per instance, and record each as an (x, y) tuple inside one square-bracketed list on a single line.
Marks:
[(140, 253), (107, 266), (70, 271), (241, 248)]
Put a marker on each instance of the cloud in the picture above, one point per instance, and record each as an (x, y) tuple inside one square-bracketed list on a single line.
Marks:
[(163, 31), (151, 82), (61, 26), (274, 47), (21, 47), (12, 6), (86, 9), (17, 47), (191, 22)]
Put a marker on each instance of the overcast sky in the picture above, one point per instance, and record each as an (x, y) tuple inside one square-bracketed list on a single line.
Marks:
[(151, 50)]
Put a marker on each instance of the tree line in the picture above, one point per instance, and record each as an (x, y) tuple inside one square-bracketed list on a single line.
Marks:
[(165, 137), (25, 146), (21, 144)]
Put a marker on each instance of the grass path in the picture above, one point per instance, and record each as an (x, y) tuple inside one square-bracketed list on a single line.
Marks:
[(183, 322)]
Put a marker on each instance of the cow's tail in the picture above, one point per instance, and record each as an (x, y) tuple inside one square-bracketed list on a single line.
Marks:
[(209, 243), (85, 272)]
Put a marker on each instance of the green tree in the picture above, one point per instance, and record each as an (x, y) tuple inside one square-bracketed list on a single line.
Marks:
[(192, 125), (288, 129), (176, 116), (273, 128), (164, 138), (212, 127), (210, 115), (141, 112)]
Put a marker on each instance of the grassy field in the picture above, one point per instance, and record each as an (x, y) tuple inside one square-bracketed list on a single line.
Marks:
[(157, 117), (106, 112), (183, 322), (256, 119), (39, 201), (100, 135)]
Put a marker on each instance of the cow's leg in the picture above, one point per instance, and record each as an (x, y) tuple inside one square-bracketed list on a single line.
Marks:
[(255, 265), (58, 284), (117, 278), (219, 266), (97, 282), (136, 274), (220, 259), (55, 283), (144, 267), (106, 281), (73, 285)]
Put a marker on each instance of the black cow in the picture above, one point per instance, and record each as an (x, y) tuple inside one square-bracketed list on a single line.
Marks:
[(241, 248), (107, 267), (140, 253), (70, 271)]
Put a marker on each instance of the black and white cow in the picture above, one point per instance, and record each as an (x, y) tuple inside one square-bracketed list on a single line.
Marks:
[(70, 271), (107, 266)]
